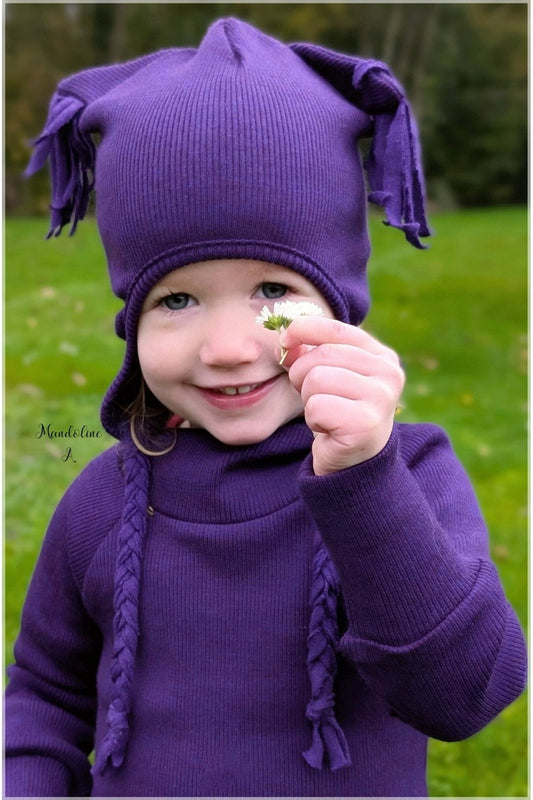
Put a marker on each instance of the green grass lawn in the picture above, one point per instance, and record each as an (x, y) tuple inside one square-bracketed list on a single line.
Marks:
[(457, 315)]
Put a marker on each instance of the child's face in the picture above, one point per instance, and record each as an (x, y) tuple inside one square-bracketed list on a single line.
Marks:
[(204, 356)]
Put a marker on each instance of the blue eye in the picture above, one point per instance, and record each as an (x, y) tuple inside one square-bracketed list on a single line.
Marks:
[(176, 302), (273, 291)]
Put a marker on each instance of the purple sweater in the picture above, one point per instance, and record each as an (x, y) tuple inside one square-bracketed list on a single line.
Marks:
[(430, 645)]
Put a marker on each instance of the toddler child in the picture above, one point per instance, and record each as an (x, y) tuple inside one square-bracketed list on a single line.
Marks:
[(268, 587)]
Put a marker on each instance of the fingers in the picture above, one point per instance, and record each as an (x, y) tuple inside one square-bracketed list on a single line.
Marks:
[(334, 416), (346, 432), (311, 341), (345, 358), (314, 331), (327, 357), (335, 381), (350, 384)]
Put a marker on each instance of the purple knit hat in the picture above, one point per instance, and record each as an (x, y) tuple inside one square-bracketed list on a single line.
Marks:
[(242, 148)]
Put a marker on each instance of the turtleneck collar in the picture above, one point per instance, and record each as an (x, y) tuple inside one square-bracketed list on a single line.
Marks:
[(203, 480)]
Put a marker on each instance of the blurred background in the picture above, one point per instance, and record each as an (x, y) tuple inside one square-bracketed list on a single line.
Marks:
[(464, 67), (456, 313)]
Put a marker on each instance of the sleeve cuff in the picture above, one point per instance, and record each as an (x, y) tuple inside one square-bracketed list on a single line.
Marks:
[(35, 776), (399, 573)]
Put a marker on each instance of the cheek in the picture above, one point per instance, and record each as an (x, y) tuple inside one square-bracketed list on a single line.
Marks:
[(153, 352), (145, 349)]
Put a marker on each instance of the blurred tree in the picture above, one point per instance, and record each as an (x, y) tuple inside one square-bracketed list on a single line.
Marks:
[(464, 66), (476, 119), (42, 44)]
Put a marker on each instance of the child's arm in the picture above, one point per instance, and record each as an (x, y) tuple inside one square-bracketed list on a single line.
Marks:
[(50, 700), (429, 627)]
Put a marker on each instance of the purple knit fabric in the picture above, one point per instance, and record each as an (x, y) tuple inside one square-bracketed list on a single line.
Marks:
[(430, 646), (328, 743), (200, 150), (243, 148), (128, 574)]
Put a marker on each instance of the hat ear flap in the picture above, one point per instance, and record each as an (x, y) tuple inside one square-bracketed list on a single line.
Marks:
[(394, 165)]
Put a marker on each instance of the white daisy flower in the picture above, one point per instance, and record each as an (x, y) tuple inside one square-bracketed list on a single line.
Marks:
[(282, 314)]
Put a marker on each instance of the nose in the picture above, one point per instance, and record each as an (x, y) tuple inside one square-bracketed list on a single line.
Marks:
[(230, 339)]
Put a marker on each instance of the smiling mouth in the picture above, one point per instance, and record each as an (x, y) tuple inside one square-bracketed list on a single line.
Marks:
[(246, 393), (232, 390)]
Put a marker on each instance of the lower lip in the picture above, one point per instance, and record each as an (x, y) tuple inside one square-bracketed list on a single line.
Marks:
[(235, 402)]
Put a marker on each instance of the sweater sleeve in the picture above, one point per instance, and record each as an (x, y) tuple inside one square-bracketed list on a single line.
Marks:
[(429, 627), (50, 699)]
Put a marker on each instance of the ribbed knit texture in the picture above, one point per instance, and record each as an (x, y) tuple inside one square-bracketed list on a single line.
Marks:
[(220, 688), (182, 585), (244, 148), (328, 744)]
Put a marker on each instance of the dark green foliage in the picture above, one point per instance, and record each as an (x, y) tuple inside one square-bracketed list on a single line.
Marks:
[(464, 66)]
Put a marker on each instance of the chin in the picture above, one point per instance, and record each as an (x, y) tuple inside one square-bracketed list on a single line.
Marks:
[(240, 439), (246, 434)]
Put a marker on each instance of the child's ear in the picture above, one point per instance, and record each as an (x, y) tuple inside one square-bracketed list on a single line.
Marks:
[(394, 165)]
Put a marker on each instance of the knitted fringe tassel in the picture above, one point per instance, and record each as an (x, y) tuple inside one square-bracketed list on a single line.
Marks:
[(328, 743), (72, 154), (127, 595), (394, 165)]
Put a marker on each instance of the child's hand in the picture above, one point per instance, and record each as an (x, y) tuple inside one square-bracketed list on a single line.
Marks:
[(350, 386)]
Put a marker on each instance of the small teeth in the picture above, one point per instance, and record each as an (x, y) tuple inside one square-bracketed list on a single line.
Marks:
[(238, 389)]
